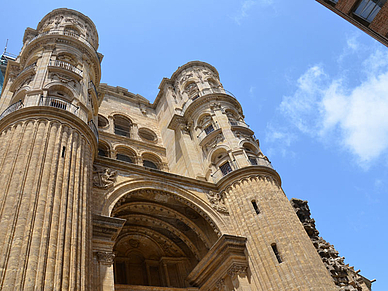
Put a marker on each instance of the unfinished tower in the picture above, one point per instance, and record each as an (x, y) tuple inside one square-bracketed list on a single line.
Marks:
[(173, 195)]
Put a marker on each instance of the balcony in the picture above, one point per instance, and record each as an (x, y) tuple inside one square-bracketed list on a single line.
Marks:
[(208, 91), (69, 34), (59, 103), (208, 132), (66, 66), (28, 68), (51, 102)]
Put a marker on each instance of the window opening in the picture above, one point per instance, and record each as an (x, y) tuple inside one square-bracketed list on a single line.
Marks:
[(209, 129), (252, 160), (226, 168), (102, 153), (124, 158), (368, 9), (276, 252), (122, 127), (149, 164), (255, 207), (63, 151)]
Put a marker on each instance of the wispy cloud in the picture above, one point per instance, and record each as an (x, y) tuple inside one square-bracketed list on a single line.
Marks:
[(246, 6), (330, 110)]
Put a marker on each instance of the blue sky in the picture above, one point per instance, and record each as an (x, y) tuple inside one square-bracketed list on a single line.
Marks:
[(313, 88)]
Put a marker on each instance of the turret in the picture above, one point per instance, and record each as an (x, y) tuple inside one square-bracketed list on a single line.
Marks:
[(48, 141)]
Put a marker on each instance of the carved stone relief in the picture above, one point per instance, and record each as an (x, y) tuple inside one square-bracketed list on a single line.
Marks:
[(106, 258), (237, 270), (213, 143), (103, 177), (217, 202), (243, 136)]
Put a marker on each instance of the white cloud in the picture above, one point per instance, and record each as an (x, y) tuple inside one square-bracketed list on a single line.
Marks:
[(246, 6), (330, 110)]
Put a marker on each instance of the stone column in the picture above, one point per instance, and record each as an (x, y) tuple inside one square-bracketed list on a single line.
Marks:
[(45, 172)]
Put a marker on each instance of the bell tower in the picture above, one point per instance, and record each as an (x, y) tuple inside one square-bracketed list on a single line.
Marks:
[(48, 141), (219, 147)]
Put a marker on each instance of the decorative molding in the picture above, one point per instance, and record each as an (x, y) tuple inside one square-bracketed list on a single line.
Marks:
[(220, 285), (106, 258), (217, 202), (237, 269), (213, 143), (103, 178)]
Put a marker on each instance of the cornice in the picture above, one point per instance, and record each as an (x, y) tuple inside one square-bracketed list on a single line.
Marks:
[(238, 175), (49, 113), (152, 174), (123, 93), (208, 99)]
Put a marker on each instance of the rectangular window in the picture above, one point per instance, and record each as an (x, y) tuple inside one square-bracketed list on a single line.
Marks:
[(209, 129), (253, 161), (255, 207), (276, 252), (368, 9), (226, 168)]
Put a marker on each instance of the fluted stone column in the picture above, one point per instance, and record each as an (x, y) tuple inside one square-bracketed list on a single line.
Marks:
[(45, 176), (301, 267)]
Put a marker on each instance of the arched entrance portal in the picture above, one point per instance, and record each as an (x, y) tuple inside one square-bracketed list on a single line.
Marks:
[(163, 239)]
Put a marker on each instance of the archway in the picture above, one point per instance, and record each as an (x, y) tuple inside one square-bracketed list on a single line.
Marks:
[(162, 240)]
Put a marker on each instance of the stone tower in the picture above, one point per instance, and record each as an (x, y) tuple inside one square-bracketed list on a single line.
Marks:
[(48, 143), (170, 195)]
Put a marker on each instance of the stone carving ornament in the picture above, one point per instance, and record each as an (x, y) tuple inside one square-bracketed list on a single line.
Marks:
[(104, 177), (237, 270), (213, 143), (217, 202), (106, 258)]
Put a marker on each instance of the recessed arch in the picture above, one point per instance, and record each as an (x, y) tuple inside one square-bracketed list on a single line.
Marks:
[(122, 125), (125, 153), (151, 216), (104, 149), (151, 160)]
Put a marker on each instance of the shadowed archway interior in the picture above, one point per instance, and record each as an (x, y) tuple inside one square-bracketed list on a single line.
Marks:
[(162, 240)]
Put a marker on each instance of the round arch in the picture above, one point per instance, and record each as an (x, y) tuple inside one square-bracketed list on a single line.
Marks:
[(203, 208)]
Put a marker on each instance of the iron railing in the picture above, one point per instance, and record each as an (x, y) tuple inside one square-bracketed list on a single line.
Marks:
[(65, 65), (67, 33), (12, 108), (58, 103), (238, 123), (93, 128), (27, 68), (207, 91), (92, 87), (204, 133)]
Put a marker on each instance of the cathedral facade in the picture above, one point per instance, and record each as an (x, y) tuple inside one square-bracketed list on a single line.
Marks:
[(103, 190)]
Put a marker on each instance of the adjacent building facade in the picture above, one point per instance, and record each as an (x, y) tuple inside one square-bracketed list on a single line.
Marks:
[(371, 16), (103, 190)]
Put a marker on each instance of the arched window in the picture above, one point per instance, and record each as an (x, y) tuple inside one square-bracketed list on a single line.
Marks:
[(102, 121), (103, 149), (125, 154), (124, 158), (149, 164), (151, 161), (122, 126)]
